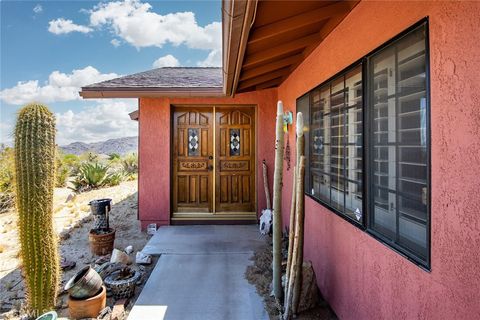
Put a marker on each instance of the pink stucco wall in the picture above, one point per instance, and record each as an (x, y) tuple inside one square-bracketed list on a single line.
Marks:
[(155, 143), (360, 277)]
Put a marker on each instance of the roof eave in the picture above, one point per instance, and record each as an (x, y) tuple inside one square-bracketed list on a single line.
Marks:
[(98, 93), (238, 17)]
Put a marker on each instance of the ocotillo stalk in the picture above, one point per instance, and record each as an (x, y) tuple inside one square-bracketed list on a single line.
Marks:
[(300, 146), (300, 216), (277, 205), (265, 183), (291, 234), (297, 255), (35, 179)]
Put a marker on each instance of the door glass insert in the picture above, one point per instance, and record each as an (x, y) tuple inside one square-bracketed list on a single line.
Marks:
[(234, 142), (193, 143)]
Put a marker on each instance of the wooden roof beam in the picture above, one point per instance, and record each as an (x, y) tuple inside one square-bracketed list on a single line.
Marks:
[(282, 49), (296, 22), (269, 84), (269, 67), (264, 78)]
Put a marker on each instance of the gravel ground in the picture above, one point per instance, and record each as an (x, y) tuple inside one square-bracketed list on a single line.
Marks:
[(73, 222)]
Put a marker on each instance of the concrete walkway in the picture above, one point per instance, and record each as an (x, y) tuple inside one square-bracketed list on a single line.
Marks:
[(200, 275)]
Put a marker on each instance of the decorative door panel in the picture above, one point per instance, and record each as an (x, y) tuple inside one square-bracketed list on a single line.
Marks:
[(193, 160), (235, 159)]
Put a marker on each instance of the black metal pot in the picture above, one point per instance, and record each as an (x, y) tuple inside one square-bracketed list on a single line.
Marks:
[(100, 209)]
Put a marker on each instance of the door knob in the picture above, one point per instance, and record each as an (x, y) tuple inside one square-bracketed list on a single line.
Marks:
[(210, 157), (210, 167)]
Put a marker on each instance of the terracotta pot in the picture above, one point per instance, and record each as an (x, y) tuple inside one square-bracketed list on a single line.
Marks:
[(87, 308), (85, 284), (122, 288), (101, 242)]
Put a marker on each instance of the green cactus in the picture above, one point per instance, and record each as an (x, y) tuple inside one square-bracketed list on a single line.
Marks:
[(35, 179)]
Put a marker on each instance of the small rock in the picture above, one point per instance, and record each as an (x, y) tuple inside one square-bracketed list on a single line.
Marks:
[(142, 258), (118, 309), (101, 260), (309, 290), (129, 249), (105, 313), (70, 197), (64, 235)]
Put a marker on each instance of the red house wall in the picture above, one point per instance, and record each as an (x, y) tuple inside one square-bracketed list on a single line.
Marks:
[(359, 276), (155, 144)]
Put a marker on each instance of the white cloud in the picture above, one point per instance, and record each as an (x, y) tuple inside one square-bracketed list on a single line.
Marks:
[(214, 59), (6, 133), (63, 26), (166, 61), (135, 23), (38, 8), (106, 120), (115, 42), (59, 87)]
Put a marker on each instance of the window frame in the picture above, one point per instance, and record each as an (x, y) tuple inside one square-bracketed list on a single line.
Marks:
[(367, 193)]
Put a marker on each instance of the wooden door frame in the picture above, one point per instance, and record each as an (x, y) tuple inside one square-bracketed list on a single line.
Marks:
[(240, 217)]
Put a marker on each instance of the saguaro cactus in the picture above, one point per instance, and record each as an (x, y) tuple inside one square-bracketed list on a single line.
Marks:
[(35, 179)]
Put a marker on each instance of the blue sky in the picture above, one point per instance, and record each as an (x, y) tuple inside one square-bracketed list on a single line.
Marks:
[(51, 48)]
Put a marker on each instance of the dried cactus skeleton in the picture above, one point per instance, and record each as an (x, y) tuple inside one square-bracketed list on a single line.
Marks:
[(35, 179)]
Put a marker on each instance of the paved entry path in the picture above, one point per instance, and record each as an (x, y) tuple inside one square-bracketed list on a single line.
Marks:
[(200, 275)]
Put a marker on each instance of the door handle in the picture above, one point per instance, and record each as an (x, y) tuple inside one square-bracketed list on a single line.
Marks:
[(210, 157), (210, 167)]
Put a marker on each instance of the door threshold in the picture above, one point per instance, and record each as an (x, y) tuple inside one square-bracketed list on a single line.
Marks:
[(230, 216)]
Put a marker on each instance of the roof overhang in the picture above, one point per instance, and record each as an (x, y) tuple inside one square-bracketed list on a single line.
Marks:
[(277, 37), (238, 17), (93, 92)]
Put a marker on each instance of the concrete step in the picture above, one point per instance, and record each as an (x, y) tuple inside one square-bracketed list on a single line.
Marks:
[(204, 239)]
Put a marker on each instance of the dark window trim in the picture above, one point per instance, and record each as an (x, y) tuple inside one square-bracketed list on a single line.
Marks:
[(359, 63), (363, 225)]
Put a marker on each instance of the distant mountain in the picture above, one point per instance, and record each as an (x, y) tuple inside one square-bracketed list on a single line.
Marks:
[(121, 146)]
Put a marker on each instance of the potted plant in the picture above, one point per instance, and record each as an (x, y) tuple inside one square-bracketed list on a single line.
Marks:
[(101, 237)]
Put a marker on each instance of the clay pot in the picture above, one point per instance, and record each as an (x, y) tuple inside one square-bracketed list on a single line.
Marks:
[(122, 288), (87, 308), (85, 284), (101, 242)]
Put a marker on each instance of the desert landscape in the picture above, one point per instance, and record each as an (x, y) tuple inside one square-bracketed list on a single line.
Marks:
[(73, 220)]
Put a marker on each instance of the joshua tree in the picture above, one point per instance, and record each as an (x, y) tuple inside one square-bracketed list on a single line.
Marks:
[(35, 179)]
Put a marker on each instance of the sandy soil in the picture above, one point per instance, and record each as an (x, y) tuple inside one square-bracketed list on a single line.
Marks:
[(72, 221), (260, 275)]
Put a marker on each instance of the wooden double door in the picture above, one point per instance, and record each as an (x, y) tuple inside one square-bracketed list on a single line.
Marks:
[(213, 161)]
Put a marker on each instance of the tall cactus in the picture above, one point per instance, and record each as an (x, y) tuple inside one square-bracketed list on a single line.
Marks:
[(35, 179)]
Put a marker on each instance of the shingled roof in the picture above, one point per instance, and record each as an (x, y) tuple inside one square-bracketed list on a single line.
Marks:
[(159, 81)]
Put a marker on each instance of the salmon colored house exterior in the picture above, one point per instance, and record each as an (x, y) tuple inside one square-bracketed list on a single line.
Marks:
[(360, 276)]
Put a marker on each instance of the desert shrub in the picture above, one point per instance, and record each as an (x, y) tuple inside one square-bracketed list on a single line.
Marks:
[(114, 179), (89, 157), (114, 156), (7, 172), (72, 162), (62, 170), (91, 175), (130, 166)]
